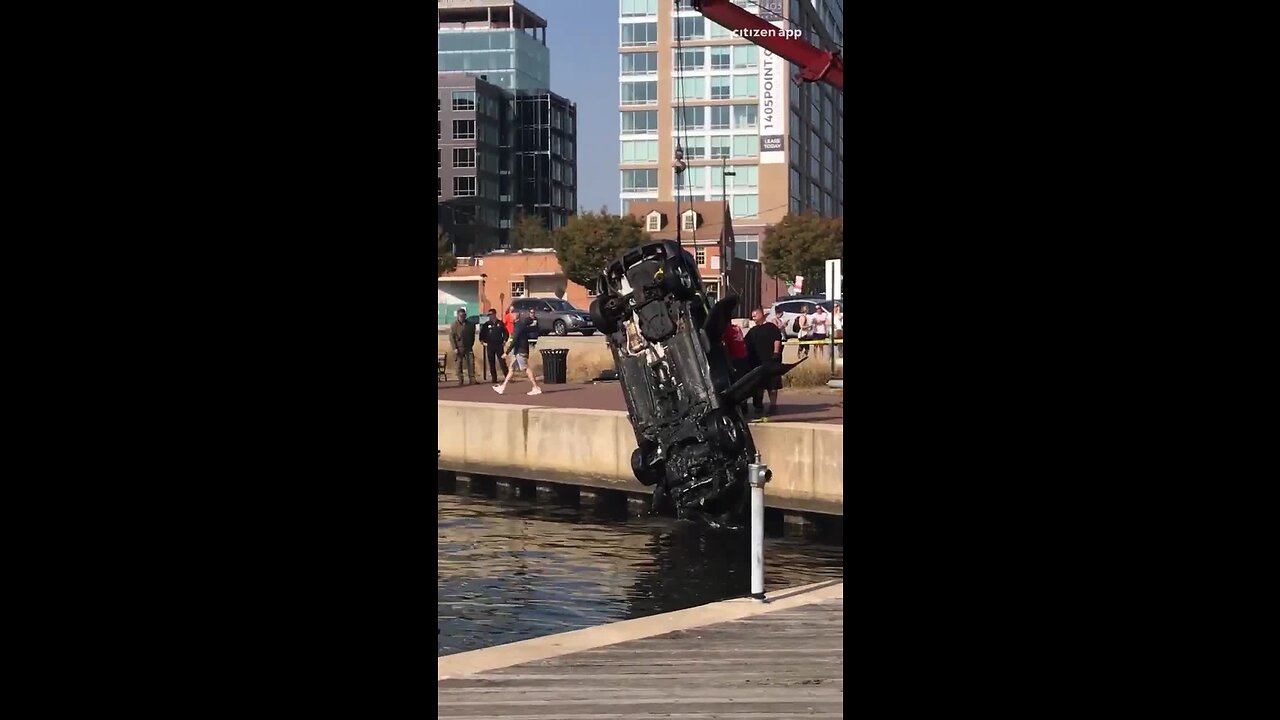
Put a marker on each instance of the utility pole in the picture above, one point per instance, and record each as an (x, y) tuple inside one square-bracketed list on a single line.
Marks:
[(724, 272)]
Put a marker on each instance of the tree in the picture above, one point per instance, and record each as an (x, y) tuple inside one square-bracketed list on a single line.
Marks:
[(590, 241), (445, 261), (531, 232), (801, 245)]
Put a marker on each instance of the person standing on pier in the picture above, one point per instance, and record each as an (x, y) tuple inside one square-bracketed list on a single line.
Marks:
[(764, 347), (463, 337), (493, 336), (525, 329)]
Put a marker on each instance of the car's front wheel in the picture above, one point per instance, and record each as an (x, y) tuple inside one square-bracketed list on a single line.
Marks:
[(560, 328)]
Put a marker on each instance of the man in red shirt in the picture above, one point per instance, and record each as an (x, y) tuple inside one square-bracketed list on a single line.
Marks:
[(736, 347), (509, 319)]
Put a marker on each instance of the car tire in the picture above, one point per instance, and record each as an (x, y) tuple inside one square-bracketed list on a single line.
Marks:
[(646, 474), (559, 328), (588, 333), (727, 432), (604, 322), (678, 277)]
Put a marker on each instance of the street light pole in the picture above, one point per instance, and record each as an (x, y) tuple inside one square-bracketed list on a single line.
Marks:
[(724, 173)]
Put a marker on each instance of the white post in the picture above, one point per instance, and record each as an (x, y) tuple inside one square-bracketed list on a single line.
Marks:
[(757, 475)]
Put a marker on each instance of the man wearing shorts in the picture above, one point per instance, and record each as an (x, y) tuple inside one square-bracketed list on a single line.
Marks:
[(520, 349), (764, 348)]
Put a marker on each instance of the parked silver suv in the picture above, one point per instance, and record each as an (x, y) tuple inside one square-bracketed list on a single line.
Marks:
[(556, 316)]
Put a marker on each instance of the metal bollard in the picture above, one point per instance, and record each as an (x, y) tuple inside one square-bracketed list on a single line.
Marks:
[(757, 475)]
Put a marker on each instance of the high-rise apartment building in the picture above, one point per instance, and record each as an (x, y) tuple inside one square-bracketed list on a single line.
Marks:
[(507, 144), (729, 105)]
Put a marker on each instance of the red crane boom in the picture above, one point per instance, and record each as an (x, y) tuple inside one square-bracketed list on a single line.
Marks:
[(817, 65)]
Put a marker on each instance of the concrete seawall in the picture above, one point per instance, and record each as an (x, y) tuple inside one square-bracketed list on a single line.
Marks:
[(592, 448)]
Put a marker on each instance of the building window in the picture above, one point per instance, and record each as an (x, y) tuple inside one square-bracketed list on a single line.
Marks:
[(638, 63), (746, 146), (721, 117), (746, 176), (437, 129), (640, 93), (438, 161), (637, 34), (640, 122), (464, 157), (716, 31), (517, 289), (692, 118), (720, 58), (690, 88), (464, 129), (691, 181), (689, 59), (699, 254), (746, 56), (720, 87), (639, 151), (464, 186), (745, 116), (464, 100), (439, 192), (653, 223), (689, 221), (695, 148), (746, 247), (639, 8), (745, 205), (639, 180), (720, 146), (746, 86), (689, 28)]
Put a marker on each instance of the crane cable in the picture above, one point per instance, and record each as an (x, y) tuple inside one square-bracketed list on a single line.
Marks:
[(682, 132)]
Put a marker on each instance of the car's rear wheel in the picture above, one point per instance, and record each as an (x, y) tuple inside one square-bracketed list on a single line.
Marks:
[(588, 333), (560, 328), (646, 474), (601, 317), (678, 277)]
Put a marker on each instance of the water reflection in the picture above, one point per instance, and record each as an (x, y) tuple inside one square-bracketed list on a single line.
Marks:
[(511, 570)]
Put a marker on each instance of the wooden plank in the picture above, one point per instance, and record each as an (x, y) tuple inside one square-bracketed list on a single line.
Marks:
[(782, 665)]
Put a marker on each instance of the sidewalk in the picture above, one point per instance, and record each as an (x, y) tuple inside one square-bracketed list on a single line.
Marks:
[(799, 405)]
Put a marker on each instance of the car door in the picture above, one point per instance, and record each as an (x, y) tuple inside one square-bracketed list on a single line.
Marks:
[(545, 317)]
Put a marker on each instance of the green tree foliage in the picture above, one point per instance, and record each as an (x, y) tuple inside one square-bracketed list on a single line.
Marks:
[(801, 245), (590, 241), (531, 232), (445, 261)]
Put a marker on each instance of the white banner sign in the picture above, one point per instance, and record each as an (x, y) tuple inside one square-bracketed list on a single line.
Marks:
[(774, 79)]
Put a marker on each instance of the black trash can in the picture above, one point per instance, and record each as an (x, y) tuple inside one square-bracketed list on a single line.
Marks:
[(555, 366)]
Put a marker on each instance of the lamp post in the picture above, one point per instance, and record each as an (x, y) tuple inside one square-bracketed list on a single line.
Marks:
[(725, 172)]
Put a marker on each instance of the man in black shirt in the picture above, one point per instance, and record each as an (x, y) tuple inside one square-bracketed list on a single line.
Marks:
[(493, 335), (764, 347)]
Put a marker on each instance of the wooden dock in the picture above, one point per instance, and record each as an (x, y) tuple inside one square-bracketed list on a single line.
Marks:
[(780, 662)]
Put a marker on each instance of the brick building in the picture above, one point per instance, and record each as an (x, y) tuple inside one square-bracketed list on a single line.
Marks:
[(497, 278)]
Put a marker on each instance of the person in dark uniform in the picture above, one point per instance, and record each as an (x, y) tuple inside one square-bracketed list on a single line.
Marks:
[(764, 347), (463, 337), (493, 335)]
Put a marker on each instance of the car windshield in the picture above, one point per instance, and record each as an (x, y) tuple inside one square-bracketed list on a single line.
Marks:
[(560, 305)]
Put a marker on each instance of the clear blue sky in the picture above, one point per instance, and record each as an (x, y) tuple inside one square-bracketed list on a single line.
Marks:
[(583, 38)]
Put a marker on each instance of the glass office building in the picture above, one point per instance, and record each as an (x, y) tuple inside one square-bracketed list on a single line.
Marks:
[(501, 42)]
